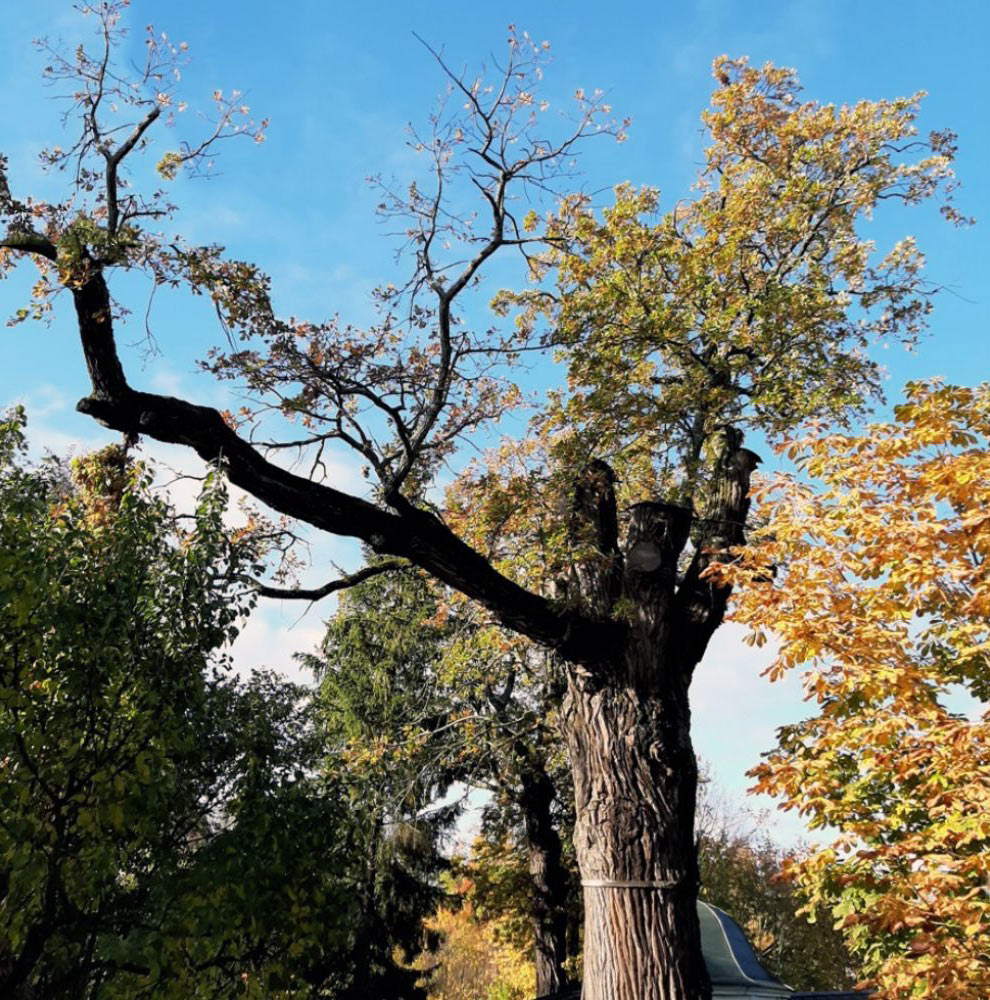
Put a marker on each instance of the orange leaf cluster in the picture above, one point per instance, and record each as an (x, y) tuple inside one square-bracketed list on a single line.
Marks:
[(882, 595)]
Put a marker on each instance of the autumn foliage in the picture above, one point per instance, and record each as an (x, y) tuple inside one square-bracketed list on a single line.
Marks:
[(476, 958), (882, 596), (744, 311)]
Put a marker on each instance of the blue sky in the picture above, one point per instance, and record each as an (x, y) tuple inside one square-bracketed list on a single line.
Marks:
[(340, 82)]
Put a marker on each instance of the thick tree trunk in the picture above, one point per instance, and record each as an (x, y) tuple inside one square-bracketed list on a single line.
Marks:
[(627, 723), (630, 630), (549, 881), (635, 781)]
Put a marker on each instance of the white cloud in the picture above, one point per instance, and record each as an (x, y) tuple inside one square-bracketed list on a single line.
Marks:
[(44, 401), (168, 381), (44, 439), (736, 714), (273, 634)]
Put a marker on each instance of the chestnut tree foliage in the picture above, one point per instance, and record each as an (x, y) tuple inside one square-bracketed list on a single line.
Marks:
[(743, 871), (749, 307), (883, 597)]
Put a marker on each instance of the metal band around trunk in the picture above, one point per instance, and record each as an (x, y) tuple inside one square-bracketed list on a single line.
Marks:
[(607, 883)]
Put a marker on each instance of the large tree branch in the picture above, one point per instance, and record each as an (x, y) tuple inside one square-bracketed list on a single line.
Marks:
[(701, 601), (28, 241), (410, 533)]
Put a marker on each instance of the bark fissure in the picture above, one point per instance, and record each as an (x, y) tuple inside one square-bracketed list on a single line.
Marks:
[(549, 879)]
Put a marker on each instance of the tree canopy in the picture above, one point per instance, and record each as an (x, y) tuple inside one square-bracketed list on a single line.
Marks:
[(162, 829)]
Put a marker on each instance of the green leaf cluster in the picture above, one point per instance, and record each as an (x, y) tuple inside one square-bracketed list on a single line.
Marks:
[(162, 832)]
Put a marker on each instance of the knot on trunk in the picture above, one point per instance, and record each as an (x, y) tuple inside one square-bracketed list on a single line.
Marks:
[(656, 536)]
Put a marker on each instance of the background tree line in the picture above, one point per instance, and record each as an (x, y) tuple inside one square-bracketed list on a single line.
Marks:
[(166, 829), (170, 830)]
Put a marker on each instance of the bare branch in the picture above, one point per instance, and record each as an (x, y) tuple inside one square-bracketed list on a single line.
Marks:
[(317, 593), (115, 158)]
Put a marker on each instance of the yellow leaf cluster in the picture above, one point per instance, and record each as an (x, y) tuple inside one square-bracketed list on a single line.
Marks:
[(882, 597), (736, 305), (474, 961)]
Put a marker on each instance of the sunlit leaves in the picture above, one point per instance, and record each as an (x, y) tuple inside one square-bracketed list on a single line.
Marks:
[(475, 960), (752, 303), (157, 833), (882, 595)]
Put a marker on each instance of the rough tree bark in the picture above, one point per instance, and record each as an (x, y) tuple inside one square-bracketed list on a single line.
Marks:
[(627, 724), (549, 879), (523, 775)]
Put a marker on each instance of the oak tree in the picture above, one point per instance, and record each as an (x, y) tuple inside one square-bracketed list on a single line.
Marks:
[(748, 308)]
